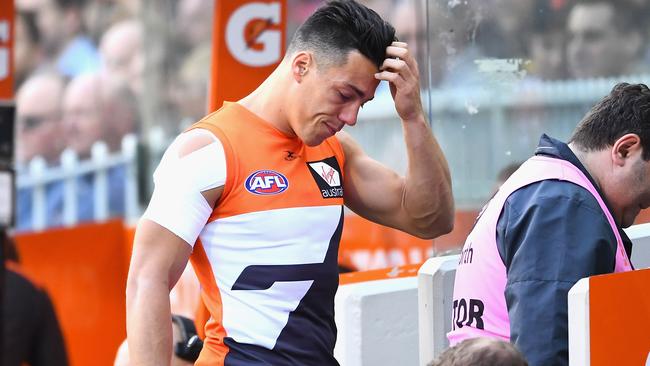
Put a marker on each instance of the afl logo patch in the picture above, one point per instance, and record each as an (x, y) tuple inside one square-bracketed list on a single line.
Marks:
[(265, 182)]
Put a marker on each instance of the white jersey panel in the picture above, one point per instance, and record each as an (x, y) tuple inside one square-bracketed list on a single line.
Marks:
[(179, 183), (291, 236)]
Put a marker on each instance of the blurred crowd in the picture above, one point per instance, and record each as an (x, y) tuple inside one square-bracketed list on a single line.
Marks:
[(81, 71), (98, 70), (551, 39), (80, 64)]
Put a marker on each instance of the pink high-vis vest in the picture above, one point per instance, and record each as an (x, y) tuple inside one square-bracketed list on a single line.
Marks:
[(479, 307)]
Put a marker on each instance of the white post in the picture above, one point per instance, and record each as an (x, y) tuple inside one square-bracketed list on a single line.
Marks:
[(37, 169), (99, 156), (436, 280), (129, 151), (579, 341), (69, 163)]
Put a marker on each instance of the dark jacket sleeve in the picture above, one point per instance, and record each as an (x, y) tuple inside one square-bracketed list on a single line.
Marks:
[(48, 348), (550, 235)]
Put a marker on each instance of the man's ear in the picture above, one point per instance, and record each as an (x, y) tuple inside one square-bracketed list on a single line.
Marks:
[(300, 65), (625, 147)]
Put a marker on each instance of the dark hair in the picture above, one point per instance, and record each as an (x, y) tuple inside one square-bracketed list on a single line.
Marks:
[(481, 352), (625, 110), (341, 26), (29, 19)]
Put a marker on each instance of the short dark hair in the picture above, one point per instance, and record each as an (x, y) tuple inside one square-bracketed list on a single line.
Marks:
[(481, 352), (625, 110), (342, 26)]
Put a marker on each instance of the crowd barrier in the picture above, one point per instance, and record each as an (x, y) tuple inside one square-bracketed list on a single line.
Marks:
[(376, 317), (436, 282), (37, 175), (392, 316), (84, 271), (609, 319), (435, 293)]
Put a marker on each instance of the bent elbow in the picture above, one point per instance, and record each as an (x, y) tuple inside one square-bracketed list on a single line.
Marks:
[(445, 225), (435, 228)]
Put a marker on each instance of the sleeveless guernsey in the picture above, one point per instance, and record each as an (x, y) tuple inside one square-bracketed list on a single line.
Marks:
[(267, 257)]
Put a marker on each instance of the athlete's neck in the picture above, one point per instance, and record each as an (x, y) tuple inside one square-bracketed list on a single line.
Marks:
[(268, 100)]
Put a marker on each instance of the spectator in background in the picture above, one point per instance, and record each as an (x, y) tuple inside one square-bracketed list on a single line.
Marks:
[(99, 15), (31, 333), (454, 45), (119, 111), (504, 26), (122, 55), (87, 121), (60, 23), (547, 42), (606, 38), (28, 53), (193, 23), (189, 90), (82, 123), (410, 26), (481, 352), (38, 116), (38, 125), (504, 174)]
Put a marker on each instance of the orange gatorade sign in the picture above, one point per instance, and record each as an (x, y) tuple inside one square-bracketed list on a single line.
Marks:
[(6, 50), (620, 318), (248, 43)]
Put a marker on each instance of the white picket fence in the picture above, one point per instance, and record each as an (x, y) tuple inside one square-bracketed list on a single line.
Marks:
[(37, 175)]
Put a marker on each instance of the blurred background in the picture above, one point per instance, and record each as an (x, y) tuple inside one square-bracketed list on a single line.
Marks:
[(103, 86)]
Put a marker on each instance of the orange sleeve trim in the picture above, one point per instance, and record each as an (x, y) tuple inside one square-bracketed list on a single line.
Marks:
[(214, 350)]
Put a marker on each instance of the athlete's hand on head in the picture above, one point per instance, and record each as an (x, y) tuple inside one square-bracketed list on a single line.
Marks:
[(401, 70)]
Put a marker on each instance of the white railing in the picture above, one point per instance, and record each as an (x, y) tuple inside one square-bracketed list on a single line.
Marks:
[(36, 176)]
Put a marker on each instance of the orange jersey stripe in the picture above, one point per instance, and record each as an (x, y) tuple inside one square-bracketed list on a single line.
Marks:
[(283, 155), (214, 331)]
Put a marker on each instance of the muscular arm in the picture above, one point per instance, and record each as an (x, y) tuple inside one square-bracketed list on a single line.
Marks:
[(158, 260), (547, 246), (420, 203), (160, 254)]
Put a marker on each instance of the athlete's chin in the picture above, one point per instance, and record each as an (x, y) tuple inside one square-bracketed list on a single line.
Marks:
[(313, 141)]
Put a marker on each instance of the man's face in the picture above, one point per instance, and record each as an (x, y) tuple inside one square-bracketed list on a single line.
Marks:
[(329, 98), (81, 116), (38, 114), (49, 19), (596, 46), (632, 193), (123, 59)]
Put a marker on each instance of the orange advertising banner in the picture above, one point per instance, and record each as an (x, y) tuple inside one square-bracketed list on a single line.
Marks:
[(248, 42), (6, 50), (619, 317)]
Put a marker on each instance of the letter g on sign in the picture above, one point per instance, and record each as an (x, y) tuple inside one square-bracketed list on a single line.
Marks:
[(270, 39)]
